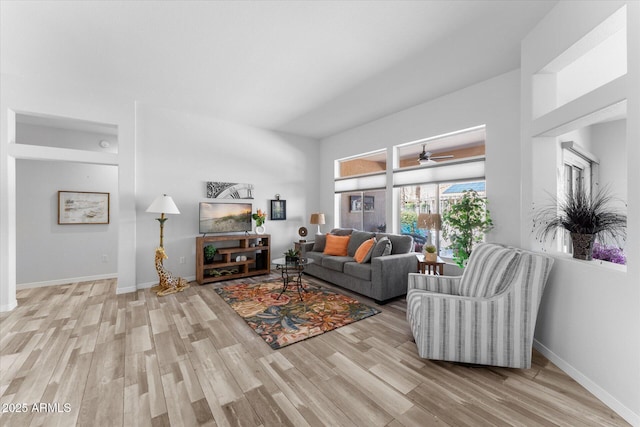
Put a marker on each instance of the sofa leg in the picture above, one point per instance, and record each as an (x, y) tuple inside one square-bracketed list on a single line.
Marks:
[(377, 301)]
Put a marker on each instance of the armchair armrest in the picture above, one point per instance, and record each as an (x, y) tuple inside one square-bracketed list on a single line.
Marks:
[(441, 284)]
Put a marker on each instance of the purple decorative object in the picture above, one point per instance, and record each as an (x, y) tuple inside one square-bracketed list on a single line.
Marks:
[(609, 253)]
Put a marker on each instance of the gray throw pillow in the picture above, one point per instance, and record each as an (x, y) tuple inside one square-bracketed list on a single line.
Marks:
[(382, 248), (342, 231), (319, 243)]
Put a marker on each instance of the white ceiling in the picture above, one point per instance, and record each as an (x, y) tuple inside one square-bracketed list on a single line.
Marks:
[(311, 68)]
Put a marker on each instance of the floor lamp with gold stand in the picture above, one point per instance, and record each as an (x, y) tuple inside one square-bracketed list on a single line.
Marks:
[(163, 205), (168, 283)]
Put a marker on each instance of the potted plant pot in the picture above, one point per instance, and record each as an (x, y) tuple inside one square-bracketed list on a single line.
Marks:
[(292, 257), (209, 254), (430, 253), (293, 260), (585, 216), (583, 245)]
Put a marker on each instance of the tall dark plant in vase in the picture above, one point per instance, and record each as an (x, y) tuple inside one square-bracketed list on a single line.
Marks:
[(465, 223), (585, 216)]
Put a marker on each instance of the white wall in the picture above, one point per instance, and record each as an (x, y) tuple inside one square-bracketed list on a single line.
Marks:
[(177, 153), (609, 143), (590, 314), (66, 100), (495, 102), (50, 136), (49, 252)]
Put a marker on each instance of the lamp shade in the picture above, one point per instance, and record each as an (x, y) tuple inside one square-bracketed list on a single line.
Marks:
[(163, 204), (430, 221), (317, 218)]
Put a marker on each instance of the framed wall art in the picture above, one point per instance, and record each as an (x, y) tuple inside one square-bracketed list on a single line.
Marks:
[(355, 203), (278, 210), (83, 207), (229, 190)]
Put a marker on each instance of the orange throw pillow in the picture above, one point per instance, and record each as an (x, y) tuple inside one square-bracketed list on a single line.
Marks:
[(363, 254), (336, 245)]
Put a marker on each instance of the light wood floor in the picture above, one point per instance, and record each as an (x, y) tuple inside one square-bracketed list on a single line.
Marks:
[(188, 359)]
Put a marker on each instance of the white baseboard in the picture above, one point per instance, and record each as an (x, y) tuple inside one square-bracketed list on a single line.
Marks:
[(8, 307), (65, 281), (606, 398), (126, 290), (119, 290), (148, 285)]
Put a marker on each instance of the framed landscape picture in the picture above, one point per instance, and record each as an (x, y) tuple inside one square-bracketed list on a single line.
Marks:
[(82, 207), (278, 210)]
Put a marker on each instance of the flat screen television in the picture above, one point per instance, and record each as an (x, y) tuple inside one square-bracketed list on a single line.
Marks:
[(224, 217)]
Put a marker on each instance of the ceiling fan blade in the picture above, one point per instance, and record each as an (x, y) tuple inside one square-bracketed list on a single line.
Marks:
[(442, 157), (426, 161)]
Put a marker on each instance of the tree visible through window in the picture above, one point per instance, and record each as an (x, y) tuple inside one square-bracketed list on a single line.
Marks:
[(434, 199)]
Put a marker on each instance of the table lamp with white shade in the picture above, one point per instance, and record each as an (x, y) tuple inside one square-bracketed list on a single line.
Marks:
[(429, 221), (317, 218)]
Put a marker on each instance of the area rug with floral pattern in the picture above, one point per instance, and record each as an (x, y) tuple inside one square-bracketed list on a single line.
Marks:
[(287, 320)]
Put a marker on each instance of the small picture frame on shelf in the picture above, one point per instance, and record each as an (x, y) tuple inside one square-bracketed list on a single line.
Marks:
[(278, 210)]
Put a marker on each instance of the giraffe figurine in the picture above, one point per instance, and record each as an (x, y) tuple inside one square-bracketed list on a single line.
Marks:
[(168, 283)]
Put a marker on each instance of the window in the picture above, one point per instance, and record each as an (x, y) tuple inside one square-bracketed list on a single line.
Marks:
[(433, 173), (428, 175), (420, 199), (360, 189), (579, 170)]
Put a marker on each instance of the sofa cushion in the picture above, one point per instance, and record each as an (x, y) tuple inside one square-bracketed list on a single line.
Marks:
[(488, 271), (357, 239), (361, 271), (319, 243), (336, 245), (316, 256), (400, 244), (363, 254), (382, 248), (336, 262)]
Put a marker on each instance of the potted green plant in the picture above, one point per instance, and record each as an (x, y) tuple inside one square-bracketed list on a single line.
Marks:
[(209, 253), (585, 216), (430, 253), (292, 256), (465, 223)]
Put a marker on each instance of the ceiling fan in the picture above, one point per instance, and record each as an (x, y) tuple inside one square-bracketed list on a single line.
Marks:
[(426, 157)]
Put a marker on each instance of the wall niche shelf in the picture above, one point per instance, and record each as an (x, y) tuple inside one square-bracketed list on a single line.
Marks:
[(593, 61), (255, 247), (605, 103)]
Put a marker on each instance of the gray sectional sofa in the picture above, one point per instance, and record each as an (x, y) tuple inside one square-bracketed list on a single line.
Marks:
[(382, 278)]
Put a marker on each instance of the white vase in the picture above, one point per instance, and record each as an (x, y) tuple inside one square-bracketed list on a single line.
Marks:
[(260, 229)]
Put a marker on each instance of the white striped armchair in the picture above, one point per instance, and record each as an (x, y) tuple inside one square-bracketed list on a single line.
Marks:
[(487, 316)]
